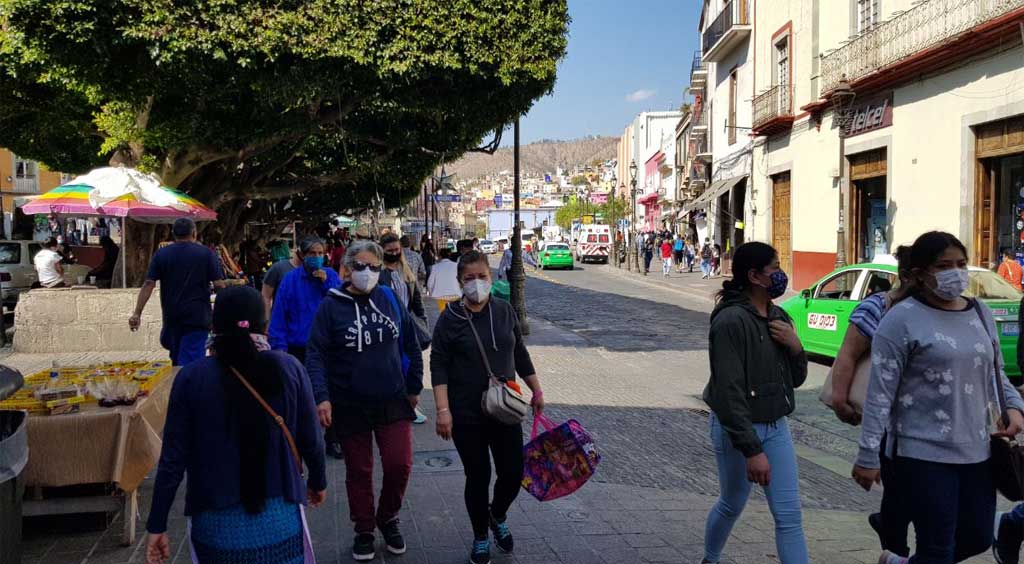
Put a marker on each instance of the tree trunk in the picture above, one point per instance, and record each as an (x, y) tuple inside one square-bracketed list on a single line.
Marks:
[(140, 238)]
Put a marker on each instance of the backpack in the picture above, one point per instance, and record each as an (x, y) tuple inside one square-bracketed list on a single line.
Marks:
[(705, 253)]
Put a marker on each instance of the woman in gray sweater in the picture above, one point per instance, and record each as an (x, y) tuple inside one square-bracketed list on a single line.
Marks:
[(933, 378)]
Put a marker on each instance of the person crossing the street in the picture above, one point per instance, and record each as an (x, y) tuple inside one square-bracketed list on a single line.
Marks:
[(705, 260), (459, 378), (666, 257), (679, 253), (756, 363)]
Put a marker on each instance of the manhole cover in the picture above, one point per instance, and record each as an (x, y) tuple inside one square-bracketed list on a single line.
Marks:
[(436, 461)]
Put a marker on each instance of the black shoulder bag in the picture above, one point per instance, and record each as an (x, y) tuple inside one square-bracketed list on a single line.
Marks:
[(1007, 461)]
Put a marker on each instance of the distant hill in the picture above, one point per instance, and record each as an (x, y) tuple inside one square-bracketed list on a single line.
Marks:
[(537, 158)]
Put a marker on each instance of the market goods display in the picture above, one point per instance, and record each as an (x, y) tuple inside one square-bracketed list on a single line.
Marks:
[(66, 389)]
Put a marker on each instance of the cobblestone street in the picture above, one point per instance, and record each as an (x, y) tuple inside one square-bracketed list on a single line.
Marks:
[(627, 357)]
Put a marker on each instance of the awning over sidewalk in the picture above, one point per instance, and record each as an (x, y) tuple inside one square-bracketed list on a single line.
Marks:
[(716, 189)]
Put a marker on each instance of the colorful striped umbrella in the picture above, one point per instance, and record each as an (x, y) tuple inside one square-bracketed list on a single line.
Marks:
[(120, 192)]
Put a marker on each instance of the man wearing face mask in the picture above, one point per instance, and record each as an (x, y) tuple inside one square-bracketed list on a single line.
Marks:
[(298, 297), (366, 367)]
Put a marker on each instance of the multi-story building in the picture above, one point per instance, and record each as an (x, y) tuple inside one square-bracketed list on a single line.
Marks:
[(649, 142), (932, 114), (722, 81), (21, 178)]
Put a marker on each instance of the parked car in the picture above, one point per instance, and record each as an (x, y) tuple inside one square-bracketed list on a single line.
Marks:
[(556, 255), (488, 247), (822, 312), (18, 273)]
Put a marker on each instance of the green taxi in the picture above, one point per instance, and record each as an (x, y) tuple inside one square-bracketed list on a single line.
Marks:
[(556, 255), (822, 312)]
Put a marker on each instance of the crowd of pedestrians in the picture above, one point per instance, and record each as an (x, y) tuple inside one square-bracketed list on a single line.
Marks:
[(331, 362)]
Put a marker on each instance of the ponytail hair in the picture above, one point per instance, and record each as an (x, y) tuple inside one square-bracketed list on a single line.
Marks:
[(748, 256), (238, 313)]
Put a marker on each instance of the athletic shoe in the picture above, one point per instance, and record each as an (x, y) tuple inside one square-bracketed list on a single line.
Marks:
[(420, 418), (875, 520), (393, 537), (890, 558), (502, 536), (1009, 534), (362, 548), (481, 553)]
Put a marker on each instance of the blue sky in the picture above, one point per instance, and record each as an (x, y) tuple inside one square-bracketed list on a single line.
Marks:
[(625, 57)]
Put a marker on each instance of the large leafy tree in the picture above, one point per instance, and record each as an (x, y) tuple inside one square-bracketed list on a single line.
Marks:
[(247, 104)]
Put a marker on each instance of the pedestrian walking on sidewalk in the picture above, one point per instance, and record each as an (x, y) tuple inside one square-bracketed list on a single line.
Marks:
[(705, 259), (648, 253), (756, 362), (666, 258), (185, 270), (366, 368), (1010, 269), (892, 520), (679, 253), (399, 276), (459, 376), (443, 284), (934, 369), (716, 260), (245, 487)]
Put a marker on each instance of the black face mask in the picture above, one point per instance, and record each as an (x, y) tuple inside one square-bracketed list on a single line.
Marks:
[(392, 258)]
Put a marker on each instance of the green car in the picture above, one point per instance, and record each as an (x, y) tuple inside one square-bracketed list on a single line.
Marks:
[(822, 312), (556, 255)]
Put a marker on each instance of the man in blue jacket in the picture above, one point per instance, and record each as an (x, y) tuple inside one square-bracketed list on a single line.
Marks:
[(366, 367), (298, 297)]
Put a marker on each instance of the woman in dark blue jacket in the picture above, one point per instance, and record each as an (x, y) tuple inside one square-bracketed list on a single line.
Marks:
[(365, 363), (245, 491)]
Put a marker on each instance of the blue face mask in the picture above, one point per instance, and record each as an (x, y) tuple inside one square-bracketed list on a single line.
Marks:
[(313, 263), (779, 284)]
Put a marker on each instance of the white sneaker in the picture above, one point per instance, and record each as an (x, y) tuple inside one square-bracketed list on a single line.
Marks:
[(420, 417)]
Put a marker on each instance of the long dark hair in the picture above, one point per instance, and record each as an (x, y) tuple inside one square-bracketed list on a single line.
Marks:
[(927, 248), (748, 256), (238, 313)]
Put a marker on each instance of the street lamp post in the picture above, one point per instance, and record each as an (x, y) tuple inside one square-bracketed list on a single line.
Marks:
[(632, 218), (842, 103), (614, 221)]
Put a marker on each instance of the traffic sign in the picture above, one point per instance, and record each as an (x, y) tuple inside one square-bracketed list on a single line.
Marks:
[(447, 197)]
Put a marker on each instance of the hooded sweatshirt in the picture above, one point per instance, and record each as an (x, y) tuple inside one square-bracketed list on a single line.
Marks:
[(354, 355), (295, 303), (752, 376)]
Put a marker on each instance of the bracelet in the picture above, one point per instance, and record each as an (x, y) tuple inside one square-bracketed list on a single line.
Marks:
[(442, 410)]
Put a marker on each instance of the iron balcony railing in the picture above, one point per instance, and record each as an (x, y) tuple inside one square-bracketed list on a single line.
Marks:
[(699, 119), (929, 23), (773, 103), (698, 64), (733, 13)]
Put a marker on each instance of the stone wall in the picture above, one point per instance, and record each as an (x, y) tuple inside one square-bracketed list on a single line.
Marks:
[(65, 320)]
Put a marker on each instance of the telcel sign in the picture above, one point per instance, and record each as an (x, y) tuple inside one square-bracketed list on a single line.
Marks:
[(871, 116)]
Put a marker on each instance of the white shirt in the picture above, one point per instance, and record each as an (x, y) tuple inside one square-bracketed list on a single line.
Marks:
[(46, 262), (444, 281)]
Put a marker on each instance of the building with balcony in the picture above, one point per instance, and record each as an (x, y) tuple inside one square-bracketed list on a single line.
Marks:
[(933, 138), (650, 133)]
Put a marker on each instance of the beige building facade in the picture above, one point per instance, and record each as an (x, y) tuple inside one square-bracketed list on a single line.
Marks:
[(934, 136)]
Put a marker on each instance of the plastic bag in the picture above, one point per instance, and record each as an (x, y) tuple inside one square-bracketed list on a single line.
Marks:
[(559, 461)]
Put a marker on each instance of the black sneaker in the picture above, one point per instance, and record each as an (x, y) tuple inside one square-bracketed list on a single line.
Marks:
[(875, 520), (362, 548), (393, 537), (502, 536), (1009, 534), (481, 552)]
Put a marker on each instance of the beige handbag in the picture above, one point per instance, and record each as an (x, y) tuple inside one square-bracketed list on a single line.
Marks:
[(499, 402), (861, 376)]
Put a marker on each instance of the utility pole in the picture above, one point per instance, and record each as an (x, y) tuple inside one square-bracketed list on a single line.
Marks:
[(517, 276)]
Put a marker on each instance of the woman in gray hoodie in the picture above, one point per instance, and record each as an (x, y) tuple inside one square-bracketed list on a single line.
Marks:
[(935, 365)]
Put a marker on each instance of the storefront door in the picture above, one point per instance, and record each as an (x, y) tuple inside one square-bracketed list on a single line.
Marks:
[(999, 190), (867, 226), (781, 227)]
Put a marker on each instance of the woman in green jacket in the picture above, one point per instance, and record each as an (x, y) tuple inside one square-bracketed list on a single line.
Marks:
[(756, 362)]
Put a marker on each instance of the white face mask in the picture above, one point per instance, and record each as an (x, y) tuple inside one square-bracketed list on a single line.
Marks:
[(365, 280), (951, 283), (477, 290)]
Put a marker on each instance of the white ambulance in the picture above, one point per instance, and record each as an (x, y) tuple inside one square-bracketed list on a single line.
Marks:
[(594, 243)]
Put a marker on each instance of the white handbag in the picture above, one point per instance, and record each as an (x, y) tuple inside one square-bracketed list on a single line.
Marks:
[(499, 402)]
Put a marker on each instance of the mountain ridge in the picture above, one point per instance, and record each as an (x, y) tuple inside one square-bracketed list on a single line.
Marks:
[(540, 157)]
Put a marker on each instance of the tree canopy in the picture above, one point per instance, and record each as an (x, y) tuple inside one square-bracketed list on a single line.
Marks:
[(278, 107)]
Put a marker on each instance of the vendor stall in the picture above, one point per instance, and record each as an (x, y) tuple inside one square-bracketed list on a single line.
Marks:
[(97, 424)]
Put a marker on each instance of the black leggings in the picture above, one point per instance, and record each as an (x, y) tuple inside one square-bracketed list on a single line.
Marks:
[(476, 444)]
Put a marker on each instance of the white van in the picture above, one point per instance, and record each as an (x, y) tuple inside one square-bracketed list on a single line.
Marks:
[(595, 243)]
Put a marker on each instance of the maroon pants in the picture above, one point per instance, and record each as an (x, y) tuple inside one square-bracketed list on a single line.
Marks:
[(394, 442)]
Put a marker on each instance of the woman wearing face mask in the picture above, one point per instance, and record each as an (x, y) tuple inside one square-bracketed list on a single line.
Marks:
[(933, 377), (366, 368), (756, 362), (459, 378), (298, 297)]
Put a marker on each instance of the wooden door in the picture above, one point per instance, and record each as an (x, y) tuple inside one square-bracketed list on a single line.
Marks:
[(782, 238), (985, 225)]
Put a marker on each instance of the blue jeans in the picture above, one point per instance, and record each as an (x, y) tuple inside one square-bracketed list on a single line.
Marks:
[(185, 344), (951, 506), (783, 492)]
